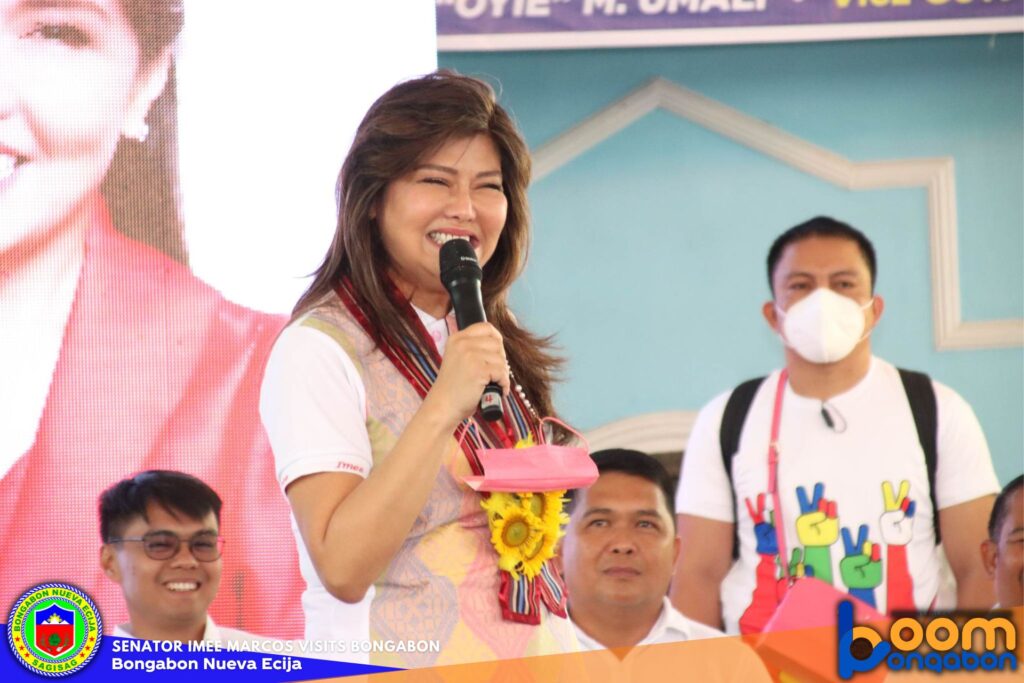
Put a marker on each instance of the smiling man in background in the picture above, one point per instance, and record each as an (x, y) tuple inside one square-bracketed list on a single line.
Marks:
[(162, 545)]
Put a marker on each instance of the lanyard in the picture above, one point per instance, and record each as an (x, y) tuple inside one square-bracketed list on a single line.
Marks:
[(773, 473)]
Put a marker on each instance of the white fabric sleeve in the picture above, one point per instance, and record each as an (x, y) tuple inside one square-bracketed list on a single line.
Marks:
[(704, 488), (313, 406), (964, 470)]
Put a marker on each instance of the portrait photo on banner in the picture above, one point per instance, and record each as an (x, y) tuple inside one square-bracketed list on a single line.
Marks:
[(118, 355)]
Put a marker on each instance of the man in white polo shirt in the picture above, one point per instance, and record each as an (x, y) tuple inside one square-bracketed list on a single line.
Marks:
[(618, 555)]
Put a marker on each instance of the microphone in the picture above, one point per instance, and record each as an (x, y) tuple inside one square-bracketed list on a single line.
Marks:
[(834, 419), (461, 275)]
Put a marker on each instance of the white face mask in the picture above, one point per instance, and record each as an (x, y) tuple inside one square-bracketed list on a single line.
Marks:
[(823, 327)]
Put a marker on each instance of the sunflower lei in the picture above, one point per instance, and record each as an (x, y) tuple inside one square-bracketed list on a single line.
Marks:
[(525, 527)]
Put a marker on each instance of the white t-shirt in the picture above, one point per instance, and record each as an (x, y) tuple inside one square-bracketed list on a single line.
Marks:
[(313, 407), (874, 441)]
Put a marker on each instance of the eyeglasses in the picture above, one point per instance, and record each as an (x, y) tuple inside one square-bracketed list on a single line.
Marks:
[(163, 545)]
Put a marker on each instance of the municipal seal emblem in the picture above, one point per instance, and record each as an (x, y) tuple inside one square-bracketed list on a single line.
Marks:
[(54, 629)]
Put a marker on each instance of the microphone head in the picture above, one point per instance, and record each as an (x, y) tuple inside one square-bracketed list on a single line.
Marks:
[(458, 260)]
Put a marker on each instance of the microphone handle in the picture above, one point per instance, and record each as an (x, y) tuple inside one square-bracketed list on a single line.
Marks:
[(469, 310)]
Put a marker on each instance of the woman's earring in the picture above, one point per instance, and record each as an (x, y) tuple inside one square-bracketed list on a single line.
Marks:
[(138, 131)]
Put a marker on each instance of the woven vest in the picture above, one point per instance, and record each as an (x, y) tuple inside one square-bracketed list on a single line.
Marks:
[(443, 583)]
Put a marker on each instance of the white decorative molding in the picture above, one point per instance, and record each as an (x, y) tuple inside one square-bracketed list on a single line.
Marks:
[(936, 175), (663, 432)]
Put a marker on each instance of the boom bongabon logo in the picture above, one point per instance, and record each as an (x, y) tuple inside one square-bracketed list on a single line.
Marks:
[(927, 643)]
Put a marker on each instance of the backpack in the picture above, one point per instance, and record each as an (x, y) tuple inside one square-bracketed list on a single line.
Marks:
[(920, 395)]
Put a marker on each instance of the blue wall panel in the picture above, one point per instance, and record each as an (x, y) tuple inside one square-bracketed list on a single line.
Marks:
[(649, 248)]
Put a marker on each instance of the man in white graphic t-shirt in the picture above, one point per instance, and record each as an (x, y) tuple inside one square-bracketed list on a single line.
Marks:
[(876, 464)]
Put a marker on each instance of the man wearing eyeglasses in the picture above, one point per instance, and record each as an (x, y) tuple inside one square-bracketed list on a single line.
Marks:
[(161, 543)]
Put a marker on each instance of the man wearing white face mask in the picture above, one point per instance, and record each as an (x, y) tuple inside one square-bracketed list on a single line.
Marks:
[(875, 465)]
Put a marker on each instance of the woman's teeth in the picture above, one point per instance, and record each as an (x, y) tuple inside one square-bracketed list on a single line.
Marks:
[(442, 237)]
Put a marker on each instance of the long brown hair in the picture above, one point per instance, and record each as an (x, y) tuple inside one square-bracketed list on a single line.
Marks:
[(404, 126), (141, 186)]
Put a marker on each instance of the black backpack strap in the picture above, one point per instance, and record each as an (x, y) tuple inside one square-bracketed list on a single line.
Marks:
[(921, 396), (733, 418)]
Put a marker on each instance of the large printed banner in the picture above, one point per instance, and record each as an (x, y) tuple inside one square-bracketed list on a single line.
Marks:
[(553, 24), (167, 173)]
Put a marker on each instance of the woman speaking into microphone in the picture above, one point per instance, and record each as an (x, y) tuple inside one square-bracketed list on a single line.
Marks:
[(370, 396)]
